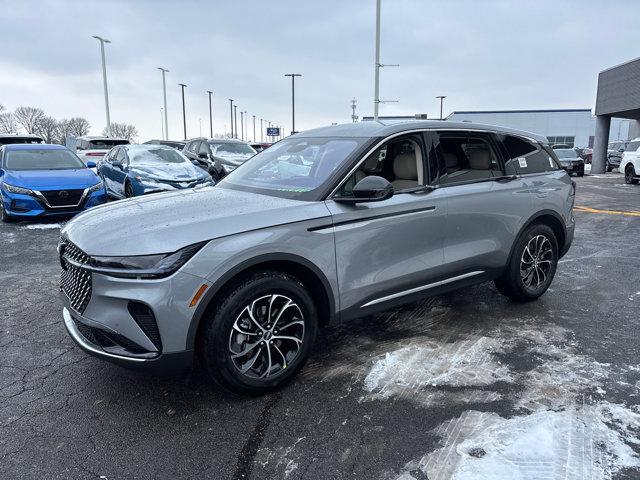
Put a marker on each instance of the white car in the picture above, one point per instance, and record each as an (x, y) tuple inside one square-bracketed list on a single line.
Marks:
[(94, 148), (630, 163)]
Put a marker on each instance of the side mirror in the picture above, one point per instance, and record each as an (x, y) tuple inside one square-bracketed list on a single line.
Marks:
[(203, 155), (91, 164), (369, 189)]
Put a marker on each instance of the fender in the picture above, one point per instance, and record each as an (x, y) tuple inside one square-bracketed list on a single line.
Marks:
[(247, 264), (531, 220)]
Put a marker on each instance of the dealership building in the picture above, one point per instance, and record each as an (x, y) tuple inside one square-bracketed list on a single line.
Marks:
[(575, 127)]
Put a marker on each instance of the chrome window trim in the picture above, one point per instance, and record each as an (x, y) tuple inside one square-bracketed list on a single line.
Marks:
[(408, 132)]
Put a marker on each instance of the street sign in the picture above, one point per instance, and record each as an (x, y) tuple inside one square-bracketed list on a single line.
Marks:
[(273, 131)]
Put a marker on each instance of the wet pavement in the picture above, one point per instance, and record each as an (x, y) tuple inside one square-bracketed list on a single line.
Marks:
[(467, 385)]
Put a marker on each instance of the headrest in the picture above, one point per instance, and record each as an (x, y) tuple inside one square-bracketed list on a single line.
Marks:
[(480, 160), (405, 166)]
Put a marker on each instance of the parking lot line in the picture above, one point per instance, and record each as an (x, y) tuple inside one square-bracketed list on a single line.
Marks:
[(580, 208)]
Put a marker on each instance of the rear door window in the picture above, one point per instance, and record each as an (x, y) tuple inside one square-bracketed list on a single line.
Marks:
[(632, 147), (523, 156), (465, 157)]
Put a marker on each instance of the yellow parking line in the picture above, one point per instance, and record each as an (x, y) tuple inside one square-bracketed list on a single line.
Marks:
[(609, 212)]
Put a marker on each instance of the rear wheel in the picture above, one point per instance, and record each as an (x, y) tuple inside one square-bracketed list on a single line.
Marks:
[(532, 265), (629, 175), (609, 168), (260, 334)]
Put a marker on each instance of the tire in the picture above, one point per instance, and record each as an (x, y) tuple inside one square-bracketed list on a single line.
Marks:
[(629, 173), (580, 173), (228, 329), (522, 285), (128, 190), (4, 216), (608, 169)]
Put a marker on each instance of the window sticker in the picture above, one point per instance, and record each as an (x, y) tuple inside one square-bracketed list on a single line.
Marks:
[(523, 162), (551, 162)]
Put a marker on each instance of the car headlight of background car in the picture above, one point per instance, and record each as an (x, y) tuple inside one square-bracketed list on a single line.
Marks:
[(144, 266), (146, 180), (20, 190), (98, 186)]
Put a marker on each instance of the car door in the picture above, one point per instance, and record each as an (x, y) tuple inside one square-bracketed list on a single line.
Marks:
[(119, 171), (106, 170), (485, 203), (387, 248)]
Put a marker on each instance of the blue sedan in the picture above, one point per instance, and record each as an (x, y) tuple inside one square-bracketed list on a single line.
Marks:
[(38, 180), (133, 170)]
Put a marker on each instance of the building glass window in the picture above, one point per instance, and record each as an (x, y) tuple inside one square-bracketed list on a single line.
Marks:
[(562, 140)]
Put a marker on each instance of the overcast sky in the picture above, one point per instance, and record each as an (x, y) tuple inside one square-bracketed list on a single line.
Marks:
[(483, 55)]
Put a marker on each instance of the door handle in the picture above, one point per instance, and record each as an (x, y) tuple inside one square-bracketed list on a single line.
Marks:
[(506, 178)]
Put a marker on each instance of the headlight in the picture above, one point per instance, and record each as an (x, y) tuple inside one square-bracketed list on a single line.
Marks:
[(146, 180), (96, 187), (228, 168), (144, 266), (13, 189)]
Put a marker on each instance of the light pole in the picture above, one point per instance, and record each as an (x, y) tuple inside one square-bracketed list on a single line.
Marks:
[(242, 125), (378, 65), (104, 81), (164, 95), (210, 114), (235, 121), (254, 128), (184, 113), (441, 97), (231, 101), (261, 131), (162, 122), (293, 99)]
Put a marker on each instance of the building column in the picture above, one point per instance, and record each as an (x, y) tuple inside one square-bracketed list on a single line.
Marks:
[(599, 159), (634, 129)]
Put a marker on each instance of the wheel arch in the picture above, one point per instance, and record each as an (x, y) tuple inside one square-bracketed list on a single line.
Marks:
[(546, 217), (307, 272)]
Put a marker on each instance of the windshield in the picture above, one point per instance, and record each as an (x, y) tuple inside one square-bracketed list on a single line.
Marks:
[(42, 159), (565, 153), (139, 156), (106, 144), (293, 167), (231, 149)]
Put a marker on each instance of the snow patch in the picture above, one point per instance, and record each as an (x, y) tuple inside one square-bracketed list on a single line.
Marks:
[(43, 226)]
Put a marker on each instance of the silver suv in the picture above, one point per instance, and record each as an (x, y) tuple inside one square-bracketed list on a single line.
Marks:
[(329, 224)]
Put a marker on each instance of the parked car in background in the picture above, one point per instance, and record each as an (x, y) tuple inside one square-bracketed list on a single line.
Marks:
[(177, 144), (245, 273), (41, 180), (585, 153), (258, 147), (218, 156), (630, 162), (614, 154), (133, 170), (94, 148), (10, 138), (570, 161), (560, 146)]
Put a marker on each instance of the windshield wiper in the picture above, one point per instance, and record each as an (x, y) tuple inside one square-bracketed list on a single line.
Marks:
[(420, 189)]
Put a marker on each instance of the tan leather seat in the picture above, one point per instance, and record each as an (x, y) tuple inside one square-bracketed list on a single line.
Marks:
[(405, 168)]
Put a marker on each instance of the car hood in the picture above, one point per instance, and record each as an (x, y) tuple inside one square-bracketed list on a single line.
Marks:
[(234, 159), (51, 179), (166, 222), (169, 171)]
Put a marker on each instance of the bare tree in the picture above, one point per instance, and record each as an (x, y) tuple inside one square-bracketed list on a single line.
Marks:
[(8, 122), (122, 130), (47, 128), (28, 118), (77, 126)]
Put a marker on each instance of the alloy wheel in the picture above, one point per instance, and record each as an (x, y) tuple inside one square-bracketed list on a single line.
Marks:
[(536, 262), (628, 175), (266, 336)]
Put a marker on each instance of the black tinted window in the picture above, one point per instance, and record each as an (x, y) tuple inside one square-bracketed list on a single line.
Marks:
[(525, 157), (632, 147)]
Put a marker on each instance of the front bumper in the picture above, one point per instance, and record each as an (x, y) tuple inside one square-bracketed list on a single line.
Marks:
[(575, 167), (108, 325), (27, 206)]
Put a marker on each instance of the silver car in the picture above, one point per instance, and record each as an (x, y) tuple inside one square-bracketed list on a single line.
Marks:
[(326, 225)]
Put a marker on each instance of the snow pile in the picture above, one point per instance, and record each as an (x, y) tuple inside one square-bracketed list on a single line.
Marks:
[(43, 226)]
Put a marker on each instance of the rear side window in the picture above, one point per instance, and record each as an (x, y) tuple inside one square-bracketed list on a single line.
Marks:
[(465, 158), (193, 146), (523, 156), (632, 147)]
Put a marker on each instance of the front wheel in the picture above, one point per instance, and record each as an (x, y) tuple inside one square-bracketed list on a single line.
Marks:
[(532, 266), (260, 334), (4, 216), (128, 190), (629, 175)]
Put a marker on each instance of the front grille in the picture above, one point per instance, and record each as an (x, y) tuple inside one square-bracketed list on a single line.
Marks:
[(63, 198), (75, 282)]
